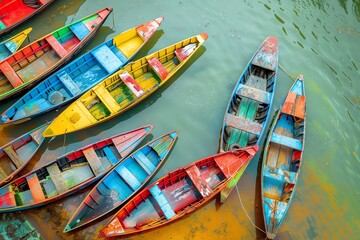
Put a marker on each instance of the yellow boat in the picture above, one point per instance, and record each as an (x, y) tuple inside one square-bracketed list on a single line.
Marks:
[(11, 45), (125, 88)]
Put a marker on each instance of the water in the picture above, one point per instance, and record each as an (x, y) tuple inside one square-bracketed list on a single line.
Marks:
[(318, 39)]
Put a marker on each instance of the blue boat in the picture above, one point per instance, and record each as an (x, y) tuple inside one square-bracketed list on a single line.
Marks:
[(125, 180), (248, 111), (77, 77), (283, 157)]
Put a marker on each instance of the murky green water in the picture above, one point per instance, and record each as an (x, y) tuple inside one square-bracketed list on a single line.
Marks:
[(319, 39)]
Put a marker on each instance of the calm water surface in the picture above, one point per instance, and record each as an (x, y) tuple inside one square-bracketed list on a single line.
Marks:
[(318, 39)]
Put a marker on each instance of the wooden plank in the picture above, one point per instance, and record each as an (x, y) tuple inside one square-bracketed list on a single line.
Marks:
[(106, 98), (69, 83), (253, 93), (10, 74), (57, 179), (131, 84), (280, 174), (199, 182), (158, 68), (185, 52), (128, 177), (162, 201), (299, 110), (93, 160), (14, 157), (161, 147), (107, 58), (110, 155), (294, 105), (243, 124), (56, 46), (80, 30), (286, 141), (37, 136), (148, 166), (3, 174), (35, 188)]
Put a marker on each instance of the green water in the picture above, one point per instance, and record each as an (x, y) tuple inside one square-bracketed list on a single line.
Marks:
[(317, 38)]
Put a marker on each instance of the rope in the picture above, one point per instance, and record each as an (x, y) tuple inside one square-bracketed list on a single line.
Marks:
[(113, 20), (282, 69), (242, 205)]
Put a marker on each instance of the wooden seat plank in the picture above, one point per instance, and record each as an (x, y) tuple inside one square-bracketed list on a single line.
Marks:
[(3, 174), (93, 160), (128, 177), (243, 124), (145, 163), (106, 98), (162, 202), (107, 58), (10, 74), (56, 177), (158, 68), (69, 83), (199, 182), (294, 105), (185, 52), (131, 84), (56, 46), (35, 188), (80, 30), (280, 174), (253, 93), (14, 157), (286, 141)]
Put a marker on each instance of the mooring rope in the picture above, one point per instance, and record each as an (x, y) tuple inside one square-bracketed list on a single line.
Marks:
[(242, 205), (282, 69), (113, 20)]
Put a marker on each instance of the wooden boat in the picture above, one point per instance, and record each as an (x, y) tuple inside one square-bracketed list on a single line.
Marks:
[(125, 88), (11, 45), (69, 173), (283, 157), (15, 12), (178, 193), (247, 113), (15, 155), (38, 59), (123, 181), (77, 77)]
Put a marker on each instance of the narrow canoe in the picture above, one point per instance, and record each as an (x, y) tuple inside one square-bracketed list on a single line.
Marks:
[(70, 172), (12, 44), (283, 157), (15, 12), (178, 193), (247, 113), (125, 180), (125, 88), (40, 58), (15, 155), (77, 77)]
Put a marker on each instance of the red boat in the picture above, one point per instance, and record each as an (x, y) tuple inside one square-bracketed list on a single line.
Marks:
[(178, 193), (15, 12)]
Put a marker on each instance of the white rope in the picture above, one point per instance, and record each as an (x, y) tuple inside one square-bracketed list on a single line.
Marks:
[(282, 69), (242, 205)]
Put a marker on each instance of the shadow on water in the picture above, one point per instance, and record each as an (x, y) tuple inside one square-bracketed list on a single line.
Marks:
[(83, 135)]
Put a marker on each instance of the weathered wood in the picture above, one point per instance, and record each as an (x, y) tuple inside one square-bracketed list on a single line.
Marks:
[(69, 83), (198, 181), (294, 105), (162, 202), (286, 141), (80, 30), (93, 160), (266, 57), (56, 177), (106, 98), (158, 68), (3, 174), (131, 84), (128, 177), (280, 174), (14, 157), (144, 162), (243, 124), (35, 188), (37, 136), (56, 46), (185, 52), (253, 93), (10, 74), (107, 58)]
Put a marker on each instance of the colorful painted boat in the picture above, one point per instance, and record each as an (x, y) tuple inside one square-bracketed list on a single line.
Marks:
[(125, 88), (70, 172), (125, 180), (40, 58), (11, 45), (77, 77), (178, 193), (15, 155), (15, 12), (247, 113), (283, 157)]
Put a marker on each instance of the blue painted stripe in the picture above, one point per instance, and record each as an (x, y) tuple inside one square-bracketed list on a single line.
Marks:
[(286, 141)]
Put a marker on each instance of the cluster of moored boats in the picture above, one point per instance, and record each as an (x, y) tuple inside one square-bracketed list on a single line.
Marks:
[(105, 82)]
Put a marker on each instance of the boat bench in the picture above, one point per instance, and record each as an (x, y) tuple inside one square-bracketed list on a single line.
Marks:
[(286, 141), (161, 147), (199, 182), (80, 30), (243, 124), (162, 202), (158, 68), (294, 105), (35, 188), (56, 177), (185, 52), (280, 174), (106, 98), (145, 163), (69, 83), (131, 84), (14, 157), (107, 58), (110, 155), (128, 177), (93, 160), (10, 74), (253, 93), (56, 46)]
